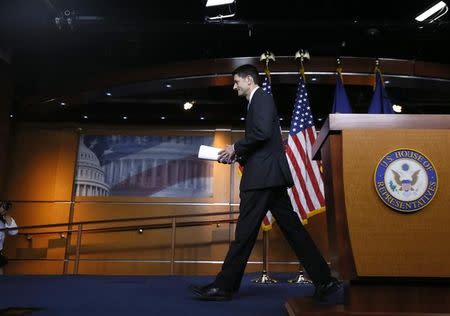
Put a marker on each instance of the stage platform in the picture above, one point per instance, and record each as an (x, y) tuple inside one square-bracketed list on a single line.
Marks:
[(139, 295)]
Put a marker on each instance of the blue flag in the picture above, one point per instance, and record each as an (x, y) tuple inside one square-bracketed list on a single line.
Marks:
[(380, 104), (340, 103)]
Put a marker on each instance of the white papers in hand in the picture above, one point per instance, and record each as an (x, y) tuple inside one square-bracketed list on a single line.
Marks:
[(208, 152)]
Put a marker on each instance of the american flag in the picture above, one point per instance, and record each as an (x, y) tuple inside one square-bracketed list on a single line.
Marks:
[(266, 85), (307, 194), (268, 219)]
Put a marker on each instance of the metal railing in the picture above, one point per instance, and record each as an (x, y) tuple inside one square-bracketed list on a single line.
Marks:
[(171, 221)]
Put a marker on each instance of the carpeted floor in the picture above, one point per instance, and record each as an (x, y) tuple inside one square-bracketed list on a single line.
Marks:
[(139, 295)]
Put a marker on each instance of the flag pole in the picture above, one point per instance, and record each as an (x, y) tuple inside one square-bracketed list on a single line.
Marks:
[(300, 278), (301, 55), (375, 70), (264, 278), (339, 67)]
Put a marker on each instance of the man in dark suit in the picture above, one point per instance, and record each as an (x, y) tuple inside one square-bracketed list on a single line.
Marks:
[(263, 187)]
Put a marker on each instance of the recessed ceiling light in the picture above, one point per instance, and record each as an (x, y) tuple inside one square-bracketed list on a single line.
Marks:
[(202, 117), (313, 79), (188, 105), (242, 118), (168, 85), (11, 115), (281, 118), (397, 108), (163, 117), (125, 117), (387, 82), (320, 119), (108, 94), (62, 103), (85, 116)]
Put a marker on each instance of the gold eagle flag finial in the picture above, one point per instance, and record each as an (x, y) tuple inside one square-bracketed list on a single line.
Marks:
[(267, 56), (302, 54)]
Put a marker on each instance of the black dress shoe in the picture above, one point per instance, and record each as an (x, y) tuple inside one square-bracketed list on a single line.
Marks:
[(197, 289), (325, 290), (211, 292)]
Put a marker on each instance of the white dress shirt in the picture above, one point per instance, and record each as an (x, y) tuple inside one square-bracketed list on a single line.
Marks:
[(10, 232), (251, 96)]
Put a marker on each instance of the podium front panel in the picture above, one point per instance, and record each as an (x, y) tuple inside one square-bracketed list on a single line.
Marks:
[(386, 242)]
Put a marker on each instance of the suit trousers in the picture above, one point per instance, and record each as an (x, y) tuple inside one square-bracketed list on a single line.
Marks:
[(253, 207)]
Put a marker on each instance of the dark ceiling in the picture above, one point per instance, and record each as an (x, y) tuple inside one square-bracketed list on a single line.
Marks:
[(112, 36)]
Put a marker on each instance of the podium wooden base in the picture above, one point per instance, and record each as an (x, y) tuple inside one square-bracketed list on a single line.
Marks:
[(379, 299)]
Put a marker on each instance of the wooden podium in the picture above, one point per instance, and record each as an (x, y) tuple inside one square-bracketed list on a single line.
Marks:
[(394, 262)]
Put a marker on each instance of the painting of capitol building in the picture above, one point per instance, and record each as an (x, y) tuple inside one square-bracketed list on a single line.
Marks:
[(150, 166)]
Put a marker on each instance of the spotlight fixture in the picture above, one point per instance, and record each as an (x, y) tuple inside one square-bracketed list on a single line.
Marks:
[(217, 10), (69, 19), (188, 105), (65, 20), (433, 13)]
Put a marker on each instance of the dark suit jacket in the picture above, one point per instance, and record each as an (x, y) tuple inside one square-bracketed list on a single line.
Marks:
[(261, 151)]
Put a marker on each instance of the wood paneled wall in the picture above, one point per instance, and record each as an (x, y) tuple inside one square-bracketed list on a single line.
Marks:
[(40, 179)]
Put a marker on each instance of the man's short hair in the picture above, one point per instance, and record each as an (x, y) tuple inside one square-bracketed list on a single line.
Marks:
[(6, 205), (247, 70)]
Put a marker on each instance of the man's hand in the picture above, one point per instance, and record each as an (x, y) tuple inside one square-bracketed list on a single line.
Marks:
[(227, 155)]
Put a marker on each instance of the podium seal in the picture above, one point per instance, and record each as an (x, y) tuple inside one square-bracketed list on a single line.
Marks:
[(406, 180)]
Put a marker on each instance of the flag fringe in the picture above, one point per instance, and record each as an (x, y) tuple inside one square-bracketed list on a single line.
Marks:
[(312, 213), (265, 227)]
